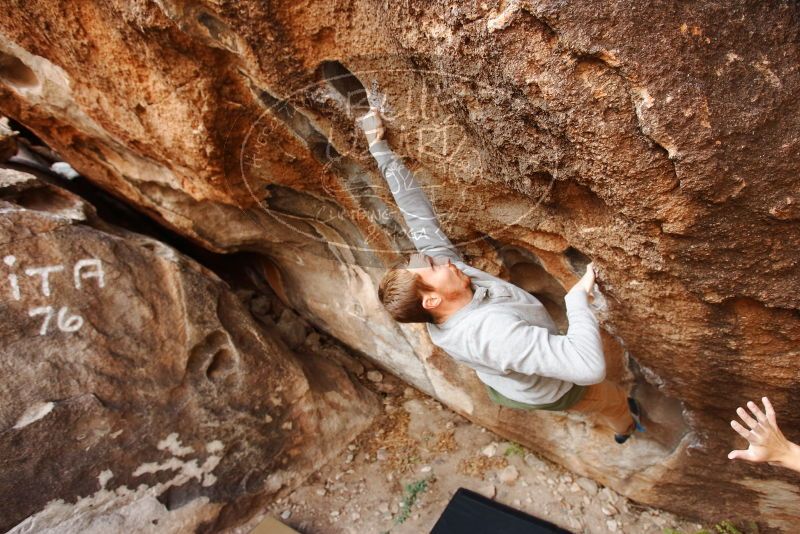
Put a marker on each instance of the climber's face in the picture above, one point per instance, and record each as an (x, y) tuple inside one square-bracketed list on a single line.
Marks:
[(449, 282)]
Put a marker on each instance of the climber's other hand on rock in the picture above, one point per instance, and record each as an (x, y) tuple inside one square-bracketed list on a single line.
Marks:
[(372, 125), (587, 280), (766, 442)]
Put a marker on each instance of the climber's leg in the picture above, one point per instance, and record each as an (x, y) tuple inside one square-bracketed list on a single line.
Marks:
[(610, 403)]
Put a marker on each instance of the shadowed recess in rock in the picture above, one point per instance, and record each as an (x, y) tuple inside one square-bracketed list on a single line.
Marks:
[(298, 123), (663, 415), (527, 272), (577, 260), (176, 496), (212, 357), (15, 73), (346, 84), (218, 30)]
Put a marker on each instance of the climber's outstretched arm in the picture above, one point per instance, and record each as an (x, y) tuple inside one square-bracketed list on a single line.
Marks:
[(423, 225)]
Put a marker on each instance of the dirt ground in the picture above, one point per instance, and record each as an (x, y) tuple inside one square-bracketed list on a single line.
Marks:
[(398, 476)]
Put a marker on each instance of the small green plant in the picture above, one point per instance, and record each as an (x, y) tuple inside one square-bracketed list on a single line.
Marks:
[(410, 497), (514, 448), (726, 527), (723, 527)]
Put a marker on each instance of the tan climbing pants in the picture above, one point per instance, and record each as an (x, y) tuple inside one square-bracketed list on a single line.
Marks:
[(610, 403)]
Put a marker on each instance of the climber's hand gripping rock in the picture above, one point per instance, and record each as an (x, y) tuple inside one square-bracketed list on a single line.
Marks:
[(587, 280), (372, 124)]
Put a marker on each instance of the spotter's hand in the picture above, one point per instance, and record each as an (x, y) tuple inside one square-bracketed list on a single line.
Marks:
[(766, 443)]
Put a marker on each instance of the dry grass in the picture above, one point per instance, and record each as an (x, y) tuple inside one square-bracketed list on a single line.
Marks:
[(446, 442), (391, 433), (477, 466)]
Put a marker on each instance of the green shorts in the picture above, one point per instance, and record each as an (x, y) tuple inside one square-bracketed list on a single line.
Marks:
[(567, 401)]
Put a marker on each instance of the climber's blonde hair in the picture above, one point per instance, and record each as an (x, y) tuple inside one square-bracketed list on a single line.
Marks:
[(400, 291)]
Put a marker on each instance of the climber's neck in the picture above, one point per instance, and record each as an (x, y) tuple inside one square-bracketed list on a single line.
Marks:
[(453, 303)]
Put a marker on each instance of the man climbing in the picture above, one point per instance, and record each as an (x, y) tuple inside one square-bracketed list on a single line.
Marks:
[(501, 331)]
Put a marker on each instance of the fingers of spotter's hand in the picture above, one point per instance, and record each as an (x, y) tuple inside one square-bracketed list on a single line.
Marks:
[(762, 430), (746, 417), (738, 454), (757, 412), (742, 431), (769, 410), (746, 455)]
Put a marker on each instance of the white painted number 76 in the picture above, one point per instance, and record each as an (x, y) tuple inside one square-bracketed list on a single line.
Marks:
[(65, 323)]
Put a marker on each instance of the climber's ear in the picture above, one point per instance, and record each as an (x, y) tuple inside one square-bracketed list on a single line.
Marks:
[(431, 301)]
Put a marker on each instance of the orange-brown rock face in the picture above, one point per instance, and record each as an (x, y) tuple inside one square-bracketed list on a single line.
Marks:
[(660, 142), (137, 391)]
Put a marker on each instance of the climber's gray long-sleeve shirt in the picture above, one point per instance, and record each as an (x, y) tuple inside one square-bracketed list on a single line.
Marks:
[(504, 333)]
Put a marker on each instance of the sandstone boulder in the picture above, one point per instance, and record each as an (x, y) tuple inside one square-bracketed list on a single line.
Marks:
[(137, 393)]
